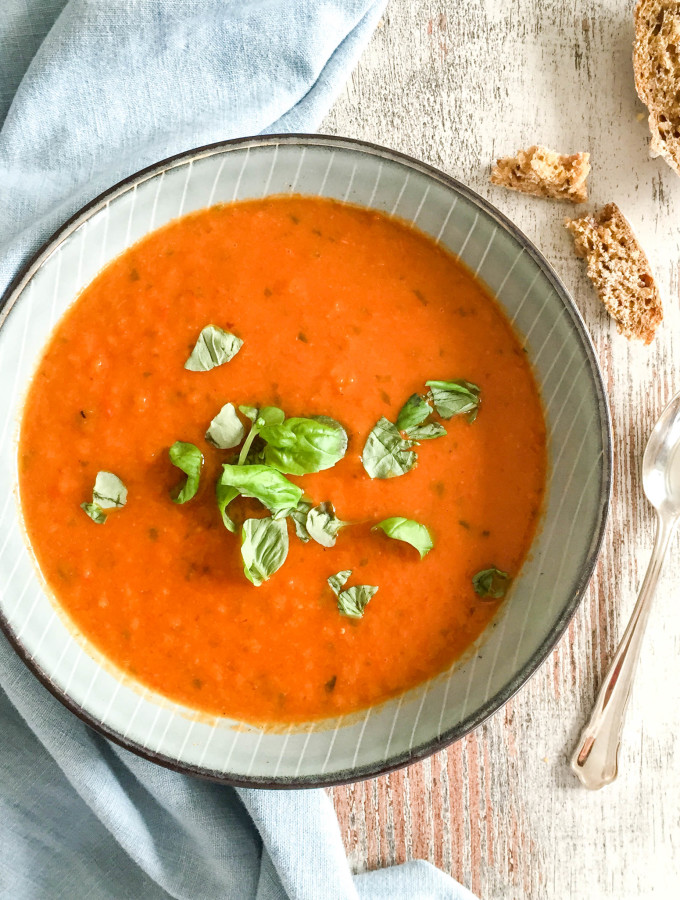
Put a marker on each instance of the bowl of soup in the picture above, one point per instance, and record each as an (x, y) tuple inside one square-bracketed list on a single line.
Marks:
[(306, 459)]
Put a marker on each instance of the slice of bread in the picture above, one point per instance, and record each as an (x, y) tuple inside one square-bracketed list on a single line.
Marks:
[(544, 173), (619, 269), (656, 63)]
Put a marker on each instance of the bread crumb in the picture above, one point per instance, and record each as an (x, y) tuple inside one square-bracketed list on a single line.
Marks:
[(620, 271), (656, 64), (544, 173)]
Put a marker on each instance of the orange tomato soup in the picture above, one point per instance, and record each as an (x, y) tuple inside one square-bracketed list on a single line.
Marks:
[(343, 312)]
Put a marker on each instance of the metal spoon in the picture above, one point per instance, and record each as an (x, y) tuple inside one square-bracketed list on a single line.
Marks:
[(595, 757)]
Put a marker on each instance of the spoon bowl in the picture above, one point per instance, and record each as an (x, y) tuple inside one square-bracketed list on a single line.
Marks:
[(661, 461)]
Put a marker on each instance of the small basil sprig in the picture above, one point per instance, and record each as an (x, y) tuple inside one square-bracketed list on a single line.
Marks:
[(213, 348), (299, 519), (109, 492), (265, 484), (226, 429), (268, 415), (386, 453), (323, 525), (189, 459), (491, 583), (413, 412), (337, 582), (95, 512), (351, 601), (264, 547), (224, 494), (412, 420), (453, 398), (427, 432), (409, 531), (300, 446)]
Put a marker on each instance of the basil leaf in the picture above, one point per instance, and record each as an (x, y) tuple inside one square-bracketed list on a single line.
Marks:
[(386, 453), (299, 518), (491, 583), (225, 493), (352, 601), (213, 348), (95, 512), (409, 531), (264, 547), (268, 415), (323, 525), (250, 412), (267, 485), (189, 459), (426, 432), (226, 429), (300, 446), (452, 398), (336, 582), (109, 491), (413, 412)]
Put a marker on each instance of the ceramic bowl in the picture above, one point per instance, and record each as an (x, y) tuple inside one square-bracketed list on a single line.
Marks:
[(551, 582)]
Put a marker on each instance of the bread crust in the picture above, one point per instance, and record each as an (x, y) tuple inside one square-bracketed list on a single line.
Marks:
[(656, 65), (620, 271)]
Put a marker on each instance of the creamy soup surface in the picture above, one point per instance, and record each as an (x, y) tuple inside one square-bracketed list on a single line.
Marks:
[(345, 313)]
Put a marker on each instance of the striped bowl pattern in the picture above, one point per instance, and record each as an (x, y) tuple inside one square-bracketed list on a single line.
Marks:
[(551, 583)]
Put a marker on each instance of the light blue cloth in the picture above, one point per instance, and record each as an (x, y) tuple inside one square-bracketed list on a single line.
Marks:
[(115, 85)]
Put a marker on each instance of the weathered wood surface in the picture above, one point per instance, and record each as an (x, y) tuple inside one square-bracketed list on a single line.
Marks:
[(457, 83)]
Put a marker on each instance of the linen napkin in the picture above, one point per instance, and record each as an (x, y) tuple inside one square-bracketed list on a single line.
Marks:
[(90, 91)]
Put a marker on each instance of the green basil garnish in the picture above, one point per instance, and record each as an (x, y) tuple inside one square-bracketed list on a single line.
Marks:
[(265, 484), (425, 432), (95, 512), (299, 519), (409, 531), (491, 583), (300, 446), (323, 525), (386, 453), (413, 412), (453, 398), (268, 415), (225, 493), (109, 492), (226, 429), (337, 582), (189, 459), (264, 547), (250, 412), (213, 348), (352, 601)]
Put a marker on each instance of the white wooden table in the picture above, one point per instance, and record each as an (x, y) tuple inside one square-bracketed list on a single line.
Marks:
[(457, 83)]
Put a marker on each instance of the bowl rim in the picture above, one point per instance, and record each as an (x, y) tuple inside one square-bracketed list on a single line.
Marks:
[(528, 670)]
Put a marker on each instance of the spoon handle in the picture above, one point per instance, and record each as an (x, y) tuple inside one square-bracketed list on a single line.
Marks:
[(595, 758)]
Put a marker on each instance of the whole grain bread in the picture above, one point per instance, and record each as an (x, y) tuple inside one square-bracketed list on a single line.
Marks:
[(620, 271), (544, 173), (656, 62)]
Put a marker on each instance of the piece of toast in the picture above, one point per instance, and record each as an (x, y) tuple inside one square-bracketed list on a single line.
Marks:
[(656, 63), (620, 271), (545, 173)]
